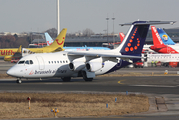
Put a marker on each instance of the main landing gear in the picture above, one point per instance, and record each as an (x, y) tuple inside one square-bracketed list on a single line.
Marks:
[(18, 80), (66, 79), (85, 77)]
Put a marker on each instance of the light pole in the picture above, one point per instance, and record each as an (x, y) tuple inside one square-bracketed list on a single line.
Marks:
[(113, 28), (58, 17), (107, 29), (104, 31)]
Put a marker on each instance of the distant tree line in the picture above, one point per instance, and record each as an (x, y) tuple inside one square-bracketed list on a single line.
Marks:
[(13, 41), (87, 32)]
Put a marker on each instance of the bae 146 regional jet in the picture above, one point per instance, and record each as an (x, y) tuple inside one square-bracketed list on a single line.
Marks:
[(86, 64)]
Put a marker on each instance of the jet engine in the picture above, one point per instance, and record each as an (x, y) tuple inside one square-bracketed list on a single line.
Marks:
[(76, 66), (94, 66)]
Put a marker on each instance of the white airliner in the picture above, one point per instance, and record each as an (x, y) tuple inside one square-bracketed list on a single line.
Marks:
[(163, 57), (86, 64)]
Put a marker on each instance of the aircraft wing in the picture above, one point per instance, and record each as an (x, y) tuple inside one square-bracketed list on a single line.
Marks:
[(110, 55)]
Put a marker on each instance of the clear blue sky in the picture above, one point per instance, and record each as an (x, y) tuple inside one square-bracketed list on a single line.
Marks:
[(77, 15)]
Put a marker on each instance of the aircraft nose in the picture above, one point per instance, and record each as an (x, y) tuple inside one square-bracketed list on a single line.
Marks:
[(10, 72)]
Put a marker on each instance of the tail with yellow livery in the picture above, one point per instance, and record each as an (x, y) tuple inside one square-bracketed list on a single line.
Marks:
[(58, 43), (16, 54), (19, 49)]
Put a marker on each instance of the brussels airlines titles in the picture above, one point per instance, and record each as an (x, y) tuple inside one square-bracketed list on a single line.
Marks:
[(47, 71)]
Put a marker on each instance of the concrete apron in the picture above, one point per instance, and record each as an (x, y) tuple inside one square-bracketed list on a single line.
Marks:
[(160, 105)]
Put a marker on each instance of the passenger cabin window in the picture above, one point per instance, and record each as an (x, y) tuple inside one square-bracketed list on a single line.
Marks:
[(21, 62)]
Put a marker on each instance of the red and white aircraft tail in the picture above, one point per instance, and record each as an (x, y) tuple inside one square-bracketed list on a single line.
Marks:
[(156, 37), (159, 46), (121, 36)]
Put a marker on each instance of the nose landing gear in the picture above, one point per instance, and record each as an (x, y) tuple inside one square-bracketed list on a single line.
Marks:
[(18, 80)]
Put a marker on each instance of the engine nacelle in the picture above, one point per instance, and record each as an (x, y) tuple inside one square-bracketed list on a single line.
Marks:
[(8, 58), (94, 66), (76, 66)]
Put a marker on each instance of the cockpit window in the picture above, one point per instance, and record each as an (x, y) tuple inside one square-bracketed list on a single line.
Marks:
[(21, 62), (31, 62), (27, 62)]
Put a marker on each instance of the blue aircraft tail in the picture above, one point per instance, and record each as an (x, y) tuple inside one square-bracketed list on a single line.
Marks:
[(49, 40), (165, 38)]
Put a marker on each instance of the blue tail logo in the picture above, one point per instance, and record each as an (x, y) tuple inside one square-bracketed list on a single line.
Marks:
[(165, 38)]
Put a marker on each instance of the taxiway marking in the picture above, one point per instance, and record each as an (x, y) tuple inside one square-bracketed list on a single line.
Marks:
[(120, 81)]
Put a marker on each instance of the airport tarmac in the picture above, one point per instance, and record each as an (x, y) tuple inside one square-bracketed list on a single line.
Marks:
[(163, 91), (166, 90)]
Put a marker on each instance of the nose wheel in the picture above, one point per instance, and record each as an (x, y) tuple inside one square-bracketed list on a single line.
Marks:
[(18, 81)]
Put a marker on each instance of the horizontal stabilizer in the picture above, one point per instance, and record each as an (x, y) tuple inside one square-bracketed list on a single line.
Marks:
[(149, 23)]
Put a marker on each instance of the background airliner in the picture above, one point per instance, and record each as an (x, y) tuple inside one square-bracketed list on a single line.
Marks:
[(166, 59), (49, 41), (57, 45), (163, 57), (86, 64), (159, 46)]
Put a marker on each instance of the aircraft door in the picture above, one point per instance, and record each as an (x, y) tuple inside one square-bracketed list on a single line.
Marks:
[(41, 62)]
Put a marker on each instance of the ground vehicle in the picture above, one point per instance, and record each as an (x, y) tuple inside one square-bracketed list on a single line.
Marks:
[(15, 59), (139, 64), (173, 64)]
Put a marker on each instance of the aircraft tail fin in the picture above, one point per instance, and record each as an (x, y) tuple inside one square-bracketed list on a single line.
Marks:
[(156, 37), (121, 36), (165, 38), (59, 41), (19, 49), (134, 39), (49, 40)]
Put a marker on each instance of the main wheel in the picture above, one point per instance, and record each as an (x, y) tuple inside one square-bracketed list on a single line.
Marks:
[(88, 79), (66, 79), (85, 77)]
